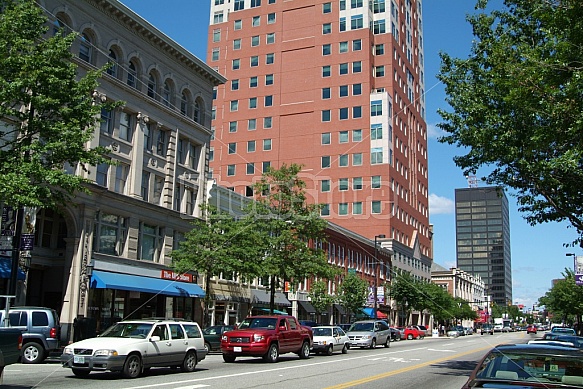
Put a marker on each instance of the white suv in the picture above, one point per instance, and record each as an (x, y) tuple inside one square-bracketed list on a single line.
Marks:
[(133, 346)]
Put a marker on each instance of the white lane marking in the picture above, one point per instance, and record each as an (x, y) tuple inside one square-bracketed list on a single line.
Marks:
[(441, 350), (193, 387)]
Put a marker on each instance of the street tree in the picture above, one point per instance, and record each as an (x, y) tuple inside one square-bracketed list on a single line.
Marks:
[(517, 107), (352, 293), (47, 112), (293, 233), (565, 299), (319, 297), (407, 292), (218, 243), (438, 301)]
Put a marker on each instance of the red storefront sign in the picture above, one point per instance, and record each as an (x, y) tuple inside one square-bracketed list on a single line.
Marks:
[(170, 275)]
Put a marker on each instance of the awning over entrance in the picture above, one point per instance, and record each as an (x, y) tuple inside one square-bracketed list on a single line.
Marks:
[(340, 309), (308, 307), (6, 269), (262, 297), (370, 313), (275, 311), (107, 280)]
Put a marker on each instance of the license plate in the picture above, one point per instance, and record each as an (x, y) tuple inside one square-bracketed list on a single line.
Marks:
[(78, 359), (237, 349)]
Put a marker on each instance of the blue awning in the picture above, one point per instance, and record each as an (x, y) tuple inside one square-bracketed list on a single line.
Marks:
[(107, 280), (6, 269)]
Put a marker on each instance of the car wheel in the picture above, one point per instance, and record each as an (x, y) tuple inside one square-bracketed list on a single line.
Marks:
[(33, 352), (345, 349), (207, 347), (373, 343), (229, 358), (330, 350), (388, 343), (81, 373), (409, 337), (132, 367), (305, 351), (272, 354), (189, 363)]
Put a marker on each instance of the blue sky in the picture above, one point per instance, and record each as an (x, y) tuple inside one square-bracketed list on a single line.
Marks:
[(538, 254)]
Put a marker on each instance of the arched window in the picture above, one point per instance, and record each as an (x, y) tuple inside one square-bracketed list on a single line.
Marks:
[(184, 103), (166, 94), (85, 48), (152, 86), (198, 111), (112, 69), (132, 75)]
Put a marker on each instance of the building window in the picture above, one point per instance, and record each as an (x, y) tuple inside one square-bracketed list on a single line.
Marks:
[(253, 102), (121, 177), (379, 71), (236, 44), (326, 71), (326, 8), (265, 166), (343, 90), (230, 170), (343, 137), (378, 6), (270, 38), (379, 27), (86, 48), (325, 93), (217, 35), (250, 146), (251, 124), (239, 5), (150, 242), (357, 159), (376, 206), (266, 144), (101, 173), (343, 209), (215, 54), (343, 47), (324, 185), (269, 101), (356, 135), (250, 169), (269, 58), (255, 41), (356, 22), (326, 49), (269, 79), (132, 75), (343, 184), (161, 143), (376, 155), (357, 67), (357, 208), (234, 84), (158, 188), (106, 124), (253, 82), (376, 182), (181, 151), (185, 103), (355, 4), (357, 183), (255, 3), (166, 94), (325, 161), (254, 61), (232, 147), (376, 131), (233, 126), (356, 89), (343, 68), (343, 160), (379, 49), (325, 210), (271, 18), (125, 126), (237, 24), (148, 137), (109, 234), (145, 188), (357, 45), (218, 18), (236, 64), (326, 138), (357, 112), (234, 105), (343, 113), (256, 21), (267, 122), (326, 28), (342, 25), (326, 115)]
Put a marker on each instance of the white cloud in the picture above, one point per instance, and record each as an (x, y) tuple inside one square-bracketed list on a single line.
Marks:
[(440, 205), (433, 131)]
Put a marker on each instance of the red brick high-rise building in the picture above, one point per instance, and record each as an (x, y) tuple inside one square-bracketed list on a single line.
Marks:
[(338, 87)]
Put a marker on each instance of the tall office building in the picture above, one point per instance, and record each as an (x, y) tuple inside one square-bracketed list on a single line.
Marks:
[(338, 87), (483, 239)]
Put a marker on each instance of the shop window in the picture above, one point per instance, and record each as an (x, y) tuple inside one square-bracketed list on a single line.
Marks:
[(109, 233)]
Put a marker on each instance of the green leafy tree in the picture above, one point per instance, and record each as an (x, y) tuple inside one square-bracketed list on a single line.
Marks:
[(437, 301), (47, 113), (319, 297), (292, 230), (217, 244), (462, 309), (565, 299), (517, 107), (407, 292), (352, 293)]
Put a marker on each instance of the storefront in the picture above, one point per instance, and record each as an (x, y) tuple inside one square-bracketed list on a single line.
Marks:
[(115, 296), (260, 300)]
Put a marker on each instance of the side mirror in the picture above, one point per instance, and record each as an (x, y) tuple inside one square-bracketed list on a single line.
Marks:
[(154, 338)]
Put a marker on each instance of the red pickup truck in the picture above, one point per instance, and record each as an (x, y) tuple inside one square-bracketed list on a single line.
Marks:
[(267, 337)]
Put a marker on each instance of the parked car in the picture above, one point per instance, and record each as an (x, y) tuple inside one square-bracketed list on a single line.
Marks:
[(328, 339), (412, 332), (267, 337), (344, 326), (308, 323), (468, 330), (212, 336), (563, 331), (132, 346), (506, 329), (528, 366), (396, 334), (487, 329), (453, 332), (40, 329), (498, 328), (10, 345), (369, 333), (423, 329), (531, 329)]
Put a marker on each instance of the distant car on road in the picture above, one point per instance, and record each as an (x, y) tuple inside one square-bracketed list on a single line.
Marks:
[(328, 339), (531, 329), (563, 331), (413, 332), (369, 333), (487, 329), (212, 336)]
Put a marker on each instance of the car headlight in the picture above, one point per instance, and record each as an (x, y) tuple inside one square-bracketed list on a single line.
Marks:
[(68, 351), (258, 338), (367, 336), (105, 353), (224, 338)]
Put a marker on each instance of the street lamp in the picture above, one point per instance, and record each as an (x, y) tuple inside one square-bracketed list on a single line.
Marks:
[(376, 273)]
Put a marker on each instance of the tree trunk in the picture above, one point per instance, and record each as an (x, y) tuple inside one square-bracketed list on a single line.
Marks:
[(272, 295)]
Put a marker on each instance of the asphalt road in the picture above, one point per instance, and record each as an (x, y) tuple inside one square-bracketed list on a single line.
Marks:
[(437, 363)]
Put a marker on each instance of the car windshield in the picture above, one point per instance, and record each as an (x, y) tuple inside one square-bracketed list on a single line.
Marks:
[(322, 331), (361, 327), (212, 330), (532, 367), (560, 330), (128, 330), (258, 322)]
